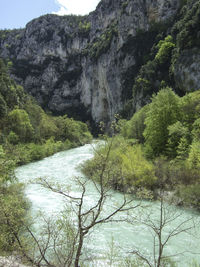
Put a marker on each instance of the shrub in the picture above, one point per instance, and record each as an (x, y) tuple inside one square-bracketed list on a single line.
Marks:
[(125, 166)]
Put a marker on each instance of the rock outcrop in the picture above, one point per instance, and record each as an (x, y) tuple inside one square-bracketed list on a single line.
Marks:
[(186, 73), (85, 65)]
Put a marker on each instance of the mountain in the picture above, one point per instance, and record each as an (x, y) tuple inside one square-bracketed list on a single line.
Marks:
[(86, 66)]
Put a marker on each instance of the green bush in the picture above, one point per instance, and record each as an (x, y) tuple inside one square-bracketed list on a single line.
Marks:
[(36, 152), (124, 165), (137, 171)]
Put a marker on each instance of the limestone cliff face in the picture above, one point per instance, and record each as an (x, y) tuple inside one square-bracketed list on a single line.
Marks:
[(187, 74), (84, 65)]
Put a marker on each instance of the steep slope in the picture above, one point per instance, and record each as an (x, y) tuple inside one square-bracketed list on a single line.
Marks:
[(86, 65)]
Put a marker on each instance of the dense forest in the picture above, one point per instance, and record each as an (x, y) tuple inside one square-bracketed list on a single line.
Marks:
[(158, 148), (27, 134)]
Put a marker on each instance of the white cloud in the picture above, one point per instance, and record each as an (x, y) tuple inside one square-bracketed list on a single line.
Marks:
[(78, 7)]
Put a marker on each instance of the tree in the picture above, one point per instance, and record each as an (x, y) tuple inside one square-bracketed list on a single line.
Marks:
[(194, 156), (162, 232), (47, 126), (134, 128), (165, 48), (19, 123), (178, 137), (163, 111)]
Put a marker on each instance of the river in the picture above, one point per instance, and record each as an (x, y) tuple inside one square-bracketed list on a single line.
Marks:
[(62, 168)]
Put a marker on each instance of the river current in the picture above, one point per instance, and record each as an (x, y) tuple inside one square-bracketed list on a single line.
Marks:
[(62, 168)]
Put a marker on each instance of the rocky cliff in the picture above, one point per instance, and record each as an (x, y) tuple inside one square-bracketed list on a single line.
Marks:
[(85, 65)]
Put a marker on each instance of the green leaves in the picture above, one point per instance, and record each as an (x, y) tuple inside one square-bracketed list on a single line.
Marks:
[(165, 48), (136, 169), (13, 209), (126, 166), (164, 110), (194, 156), (178, 140), (19, 123), (188, 26)]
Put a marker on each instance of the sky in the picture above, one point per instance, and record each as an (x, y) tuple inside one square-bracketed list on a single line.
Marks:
[(17, 13)]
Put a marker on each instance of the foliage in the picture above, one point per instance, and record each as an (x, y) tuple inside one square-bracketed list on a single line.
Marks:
[(137, 171), (13, 206), (3, 107), (6, 168), (19, 123), (13, 209), (194, 155), (165, 48), (84, 27), (134, 128), (187, 28), (27, 134), (69, 129), (126, 165), (146, 78), (163, 111), (22, 120), (178, 137), (196, 129), (156, 71), (47, 126), (102, 44), (13, 138), (190, 108)]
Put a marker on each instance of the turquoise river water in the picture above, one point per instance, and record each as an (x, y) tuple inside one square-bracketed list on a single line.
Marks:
[(63, 168)]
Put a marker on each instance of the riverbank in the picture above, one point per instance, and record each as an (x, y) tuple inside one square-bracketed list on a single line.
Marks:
[(62, 168), (127, 169)]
